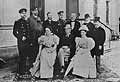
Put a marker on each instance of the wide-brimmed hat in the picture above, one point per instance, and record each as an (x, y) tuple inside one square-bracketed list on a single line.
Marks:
[(83, 27)]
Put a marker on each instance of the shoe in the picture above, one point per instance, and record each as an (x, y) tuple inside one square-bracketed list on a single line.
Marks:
[(62, 70), (16, 78), (33, 79)]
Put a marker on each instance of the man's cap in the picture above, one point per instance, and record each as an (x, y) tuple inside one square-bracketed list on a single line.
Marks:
[(60, 12), (22, 10), (86, 16)]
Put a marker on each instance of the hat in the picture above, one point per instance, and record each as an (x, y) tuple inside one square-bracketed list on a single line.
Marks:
[(83, 27), (60, 12), (22, 10)]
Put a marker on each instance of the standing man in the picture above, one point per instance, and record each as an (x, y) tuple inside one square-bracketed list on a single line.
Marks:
[(36, 30), (60, 24), (91, 28), (75, 25), (49, 23), (90, 25), (99, 37), (22, 33)]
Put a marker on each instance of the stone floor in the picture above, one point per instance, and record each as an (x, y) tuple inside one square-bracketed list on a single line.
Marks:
[(9, 54)]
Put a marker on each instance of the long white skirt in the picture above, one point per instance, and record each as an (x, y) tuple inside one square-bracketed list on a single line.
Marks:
[(44, 67), (84, 65)]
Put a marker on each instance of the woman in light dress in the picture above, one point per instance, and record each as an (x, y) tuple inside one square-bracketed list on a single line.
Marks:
[(82, 62), (43, 66)]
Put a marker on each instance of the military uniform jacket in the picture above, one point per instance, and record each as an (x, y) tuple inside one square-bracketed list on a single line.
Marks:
[(20, 30), (60, 27)]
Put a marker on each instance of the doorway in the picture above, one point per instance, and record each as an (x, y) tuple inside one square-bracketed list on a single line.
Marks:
[(72, 6), (40, 4)]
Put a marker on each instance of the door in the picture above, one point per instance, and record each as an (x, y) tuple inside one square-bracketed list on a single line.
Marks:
[(72, 6), (40, 4)]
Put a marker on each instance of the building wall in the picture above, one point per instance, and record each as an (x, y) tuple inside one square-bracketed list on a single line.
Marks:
[(54, 6), (102, 10), (9, 10), (86, 6), (8, 14), (114, 14)]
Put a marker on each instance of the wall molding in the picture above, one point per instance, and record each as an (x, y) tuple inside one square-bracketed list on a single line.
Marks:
[(6, 27)]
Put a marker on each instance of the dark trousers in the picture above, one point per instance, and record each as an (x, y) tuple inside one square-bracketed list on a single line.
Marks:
[(34, 49), (24, 55), (98, 63)]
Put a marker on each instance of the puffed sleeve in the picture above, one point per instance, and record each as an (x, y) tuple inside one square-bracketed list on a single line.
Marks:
[(41, 40), (91, 43), (56, 39)]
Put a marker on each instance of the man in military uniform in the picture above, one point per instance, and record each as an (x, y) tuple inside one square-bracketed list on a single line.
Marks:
[(21, 32), (60, 24), (59, 31)]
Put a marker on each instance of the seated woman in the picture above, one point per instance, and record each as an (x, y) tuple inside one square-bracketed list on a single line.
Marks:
[(66, 47), (43, 66), (82, 62)]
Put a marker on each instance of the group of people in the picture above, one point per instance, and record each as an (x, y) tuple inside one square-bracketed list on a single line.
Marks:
[(55, 47)]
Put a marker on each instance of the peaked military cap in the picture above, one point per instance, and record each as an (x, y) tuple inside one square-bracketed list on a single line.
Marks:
[(22, 10)]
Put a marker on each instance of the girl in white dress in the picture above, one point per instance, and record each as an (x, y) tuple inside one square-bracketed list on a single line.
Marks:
[(82, 63)]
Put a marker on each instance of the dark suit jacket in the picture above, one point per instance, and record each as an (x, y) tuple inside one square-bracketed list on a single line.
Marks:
[(99, 38), (91, 28), (75, 30), (60, 27), (70, 42)]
